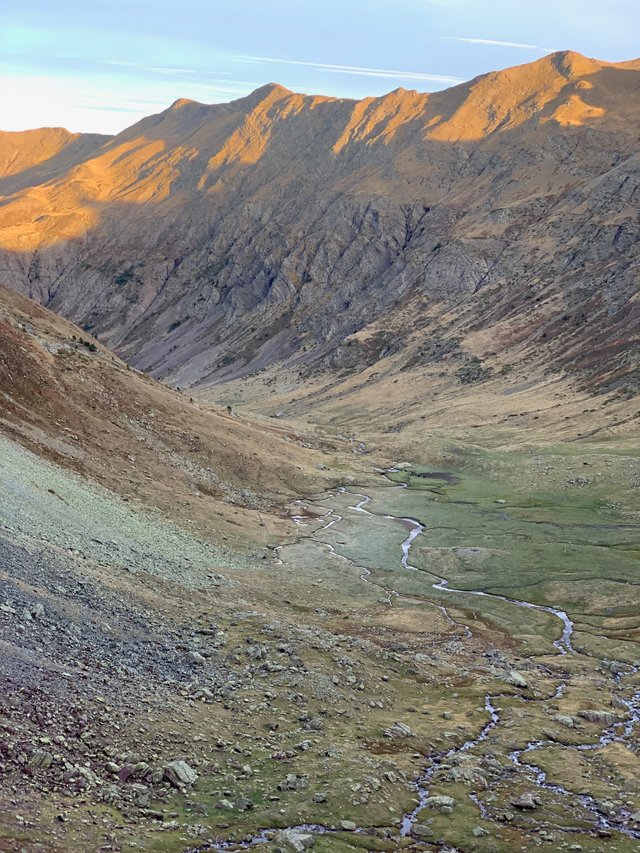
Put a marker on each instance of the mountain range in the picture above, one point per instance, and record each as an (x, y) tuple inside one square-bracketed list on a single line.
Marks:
[(472, 231)]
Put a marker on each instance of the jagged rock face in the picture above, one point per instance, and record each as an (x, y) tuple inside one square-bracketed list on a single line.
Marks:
[(210, 241)]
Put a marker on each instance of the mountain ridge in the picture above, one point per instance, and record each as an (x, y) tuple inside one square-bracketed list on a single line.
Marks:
[(567, 63)]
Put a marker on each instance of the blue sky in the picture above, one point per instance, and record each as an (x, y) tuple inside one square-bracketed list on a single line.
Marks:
[(100, 65)]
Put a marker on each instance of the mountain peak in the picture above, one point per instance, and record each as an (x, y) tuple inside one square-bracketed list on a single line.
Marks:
[(270, 91), (271, 88), (570, 63), (181, 103)]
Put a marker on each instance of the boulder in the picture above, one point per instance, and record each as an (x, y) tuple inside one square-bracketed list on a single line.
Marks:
[(565, 720), (527, 801), (439, 802), (516, 679), (41, 758), (421, 830), (179, 773), (471, 776), (398, 730), (294, 839), (604, 718), (292, 782)]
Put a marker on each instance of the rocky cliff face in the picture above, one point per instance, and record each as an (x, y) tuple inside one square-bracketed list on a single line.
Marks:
[(207, 242)]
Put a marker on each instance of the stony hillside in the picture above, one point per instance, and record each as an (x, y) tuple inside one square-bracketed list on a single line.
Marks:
[(170, 681), (208, 242), (68, 399)]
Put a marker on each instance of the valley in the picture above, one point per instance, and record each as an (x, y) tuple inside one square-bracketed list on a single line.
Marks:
[(342, 648), (319, 472)]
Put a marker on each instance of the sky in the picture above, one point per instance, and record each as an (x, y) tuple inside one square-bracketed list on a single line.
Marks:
[(100, 65)]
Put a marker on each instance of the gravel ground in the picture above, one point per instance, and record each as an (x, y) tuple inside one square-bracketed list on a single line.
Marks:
[(43, 504)]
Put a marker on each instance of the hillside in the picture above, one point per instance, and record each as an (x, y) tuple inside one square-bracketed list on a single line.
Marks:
[(32, 157), (72, 402), (208, 242)]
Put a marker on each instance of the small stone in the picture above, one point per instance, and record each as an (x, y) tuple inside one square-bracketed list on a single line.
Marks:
[(348, 825), (480, 831)]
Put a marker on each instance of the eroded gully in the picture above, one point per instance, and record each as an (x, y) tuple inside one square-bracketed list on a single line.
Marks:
[(619, 732)]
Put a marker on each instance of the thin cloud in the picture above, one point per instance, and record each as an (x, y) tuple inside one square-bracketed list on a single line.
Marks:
[(111, 109), (356, 69), (140, 66), (161, 69), (119, 63), (498, 43)]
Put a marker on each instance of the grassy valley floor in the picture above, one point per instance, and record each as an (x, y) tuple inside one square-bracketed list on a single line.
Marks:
[(316, 681)]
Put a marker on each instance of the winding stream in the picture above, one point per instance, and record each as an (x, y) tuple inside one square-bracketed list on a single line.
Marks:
[(619, 731)]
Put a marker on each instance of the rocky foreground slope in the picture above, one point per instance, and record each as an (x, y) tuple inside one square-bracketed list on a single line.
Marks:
[(207, 242)]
